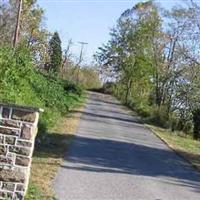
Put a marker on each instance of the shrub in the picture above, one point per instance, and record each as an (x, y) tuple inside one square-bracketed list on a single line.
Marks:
[(159, 116), (23, 84), (72, 87)]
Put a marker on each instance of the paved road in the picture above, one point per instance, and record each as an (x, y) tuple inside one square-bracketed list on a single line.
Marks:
[(114, 157)]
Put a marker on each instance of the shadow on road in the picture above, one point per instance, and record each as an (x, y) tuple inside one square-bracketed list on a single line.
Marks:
[(107, 100), (98, 117), (107, 146), (108, 156)]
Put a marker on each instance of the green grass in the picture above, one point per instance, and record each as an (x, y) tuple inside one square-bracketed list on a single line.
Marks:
[(34, 192), (49, 154), (181, 143), (22, 83)]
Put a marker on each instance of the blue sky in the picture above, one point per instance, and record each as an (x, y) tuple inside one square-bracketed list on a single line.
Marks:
[(85, 20)]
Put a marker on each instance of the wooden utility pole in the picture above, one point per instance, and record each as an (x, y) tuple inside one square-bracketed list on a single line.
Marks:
[(82, 47), (80, 60), (16, 35)]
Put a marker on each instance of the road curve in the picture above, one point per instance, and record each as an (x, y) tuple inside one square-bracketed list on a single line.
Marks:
[(114, 157)]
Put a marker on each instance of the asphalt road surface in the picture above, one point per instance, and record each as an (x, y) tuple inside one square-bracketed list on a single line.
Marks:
[(114, 157)]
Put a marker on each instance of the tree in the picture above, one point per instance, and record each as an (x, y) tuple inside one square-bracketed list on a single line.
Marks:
[(32, 34), (196, 120), (55, 52), (128, 56), (8, 15), (153, 57), (67, 54)]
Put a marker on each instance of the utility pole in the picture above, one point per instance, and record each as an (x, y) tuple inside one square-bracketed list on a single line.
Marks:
[(16, 35), (80, 59), (82, 47)]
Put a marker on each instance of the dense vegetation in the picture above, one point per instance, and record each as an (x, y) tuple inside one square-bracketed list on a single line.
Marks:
[(37, 72), (23, 84), (152, 60), (88, 76)]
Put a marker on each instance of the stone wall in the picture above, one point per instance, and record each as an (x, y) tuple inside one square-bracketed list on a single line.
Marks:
[(18, 128)]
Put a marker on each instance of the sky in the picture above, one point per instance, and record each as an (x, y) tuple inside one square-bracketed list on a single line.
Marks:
[(86, 21)]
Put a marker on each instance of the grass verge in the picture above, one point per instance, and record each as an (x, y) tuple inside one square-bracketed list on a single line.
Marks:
[(180, 143), (48, 156)]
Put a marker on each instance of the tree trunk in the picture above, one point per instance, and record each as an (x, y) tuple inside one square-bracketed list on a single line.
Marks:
[(128, 88), (196, 121)]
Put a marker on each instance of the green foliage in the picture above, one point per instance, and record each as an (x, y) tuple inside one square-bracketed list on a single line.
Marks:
[(22, 84), (33, 33), (88, 76), (153, 60), (128, 56), (108, 88), (72, 87), (34, 193), (55, 52), (160, 117)]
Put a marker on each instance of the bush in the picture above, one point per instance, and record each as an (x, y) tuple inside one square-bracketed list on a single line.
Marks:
[(108, 88), (72, 87), (23, 84), (159, 116)]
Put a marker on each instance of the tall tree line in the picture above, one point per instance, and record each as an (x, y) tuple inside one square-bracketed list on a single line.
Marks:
[(153, 59)]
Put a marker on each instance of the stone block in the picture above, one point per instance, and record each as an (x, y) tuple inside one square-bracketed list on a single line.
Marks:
[(22, 161), (3, 150), (18, 196), (26, 132), (6, 195), (20, 150), (5, 160), (7, 131), (1, 139), (5, 112), (10, 140), (23, 115), (24, 143), (8, 175), (9, 123), (20, 188), (8, 186)]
